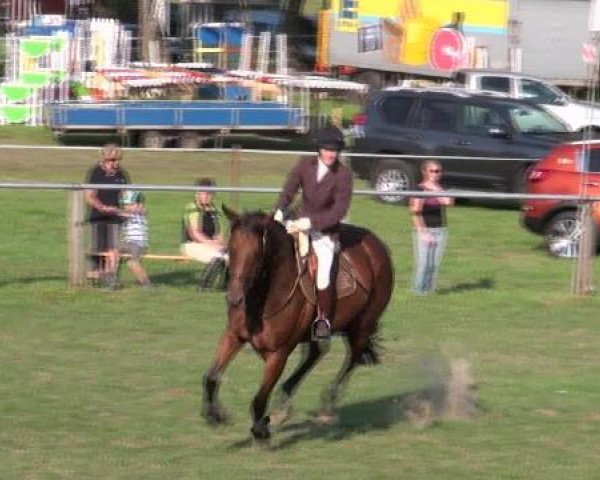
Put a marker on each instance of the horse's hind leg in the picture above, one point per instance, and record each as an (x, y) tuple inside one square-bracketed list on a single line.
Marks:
[(361, 350), (332, 393), (229, 345), (311, 354), (275, 363)]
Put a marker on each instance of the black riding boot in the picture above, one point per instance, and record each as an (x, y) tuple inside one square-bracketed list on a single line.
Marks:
[(321, 328)]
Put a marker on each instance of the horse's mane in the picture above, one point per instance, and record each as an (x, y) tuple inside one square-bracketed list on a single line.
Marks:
[(257, 221), (254, 220)]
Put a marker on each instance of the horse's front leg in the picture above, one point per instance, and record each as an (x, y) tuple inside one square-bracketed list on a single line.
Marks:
[(275, 363), (229, 345)]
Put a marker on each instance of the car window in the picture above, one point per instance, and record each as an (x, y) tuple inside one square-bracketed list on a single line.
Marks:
[(537, 91), (477, 120), (527, 119), (495, 84), (438, 115), (594, 165), (396, 109)]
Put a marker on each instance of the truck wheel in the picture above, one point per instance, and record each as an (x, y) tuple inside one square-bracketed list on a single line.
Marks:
[(561, 234), (393, 175), (189, 140), (152, 139)]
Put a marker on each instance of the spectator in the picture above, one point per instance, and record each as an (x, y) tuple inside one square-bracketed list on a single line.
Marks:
[(104, 215), (134, 234), (429, 229), (201, 232)]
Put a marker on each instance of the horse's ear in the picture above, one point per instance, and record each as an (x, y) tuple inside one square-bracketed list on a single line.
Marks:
[(229, 213)]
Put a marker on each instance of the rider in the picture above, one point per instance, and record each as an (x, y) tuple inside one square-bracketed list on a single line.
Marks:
[(326, 193)]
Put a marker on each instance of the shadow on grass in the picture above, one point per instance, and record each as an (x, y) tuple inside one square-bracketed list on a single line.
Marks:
[(353, 419), (31, 280), (482, 284), (177, 278)]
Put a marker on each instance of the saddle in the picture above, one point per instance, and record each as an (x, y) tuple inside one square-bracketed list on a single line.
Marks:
[(345, 281)]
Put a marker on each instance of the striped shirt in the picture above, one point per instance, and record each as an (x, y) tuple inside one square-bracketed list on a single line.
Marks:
[(135, 230)]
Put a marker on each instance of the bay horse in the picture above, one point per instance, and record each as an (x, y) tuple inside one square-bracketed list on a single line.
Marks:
[(267, 308)]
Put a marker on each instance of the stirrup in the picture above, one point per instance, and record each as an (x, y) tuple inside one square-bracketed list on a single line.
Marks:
[(321, 329)]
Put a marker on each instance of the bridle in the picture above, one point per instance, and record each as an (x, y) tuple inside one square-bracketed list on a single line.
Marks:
[(299, 271)]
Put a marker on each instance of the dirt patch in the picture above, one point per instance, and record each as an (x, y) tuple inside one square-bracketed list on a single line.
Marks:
[(451, 396)]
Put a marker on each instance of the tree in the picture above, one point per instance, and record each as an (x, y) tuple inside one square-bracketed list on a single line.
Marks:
[(149, 31)]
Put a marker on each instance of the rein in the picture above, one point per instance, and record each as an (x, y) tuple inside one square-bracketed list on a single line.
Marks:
[(299, 269)]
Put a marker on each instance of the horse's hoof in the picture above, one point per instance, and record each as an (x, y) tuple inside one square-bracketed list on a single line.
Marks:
[(281, 415), (260, 430), (214, 415)]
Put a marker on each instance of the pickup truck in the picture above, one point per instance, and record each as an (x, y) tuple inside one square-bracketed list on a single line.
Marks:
[(578, 116), (153, 123)]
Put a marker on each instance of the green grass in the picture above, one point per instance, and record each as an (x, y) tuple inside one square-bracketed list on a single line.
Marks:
[(23, 135), (106, 385)]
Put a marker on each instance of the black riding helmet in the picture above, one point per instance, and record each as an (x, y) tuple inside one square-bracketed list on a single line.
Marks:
[(330, 138)]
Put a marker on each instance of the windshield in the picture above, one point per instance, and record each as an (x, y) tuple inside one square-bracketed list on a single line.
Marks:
[(540, 93), (527, 119)]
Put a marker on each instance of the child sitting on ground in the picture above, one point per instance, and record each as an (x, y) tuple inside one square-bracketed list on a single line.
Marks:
[(134, 234)]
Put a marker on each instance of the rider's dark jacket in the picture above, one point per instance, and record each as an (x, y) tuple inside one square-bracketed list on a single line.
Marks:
[(325, 202)]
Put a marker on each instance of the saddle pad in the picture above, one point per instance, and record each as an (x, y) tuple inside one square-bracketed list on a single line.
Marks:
[(345, 284)]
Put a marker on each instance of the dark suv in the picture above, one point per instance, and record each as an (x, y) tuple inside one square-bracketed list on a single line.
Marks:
[(451, 122)]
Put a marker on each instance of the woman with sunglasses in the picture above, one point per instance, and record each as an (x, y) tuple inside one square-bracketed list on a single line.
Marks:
[(429, 229)]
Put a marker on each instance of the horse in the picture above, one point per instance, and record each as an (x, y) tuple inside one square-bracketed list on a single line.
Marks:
[(267, 308)]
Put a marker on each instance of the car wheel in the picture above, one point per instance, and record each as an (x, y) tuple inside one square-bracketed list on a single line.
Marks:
[(562, 234), (393, 176), (152, 139), (190, 140)]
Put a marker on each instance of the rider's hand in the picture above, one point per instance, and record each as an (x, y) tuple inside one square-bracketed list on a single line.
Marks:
[(300, 225), (278, 217), (303, 224)]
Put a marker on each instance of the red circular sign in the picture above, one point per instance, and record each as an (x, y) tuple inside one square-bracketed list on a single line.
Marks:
[(447, 49)]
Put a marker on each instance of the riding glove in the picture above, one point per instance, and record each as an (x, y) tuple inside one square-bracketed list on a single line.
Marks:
[(300, 225)]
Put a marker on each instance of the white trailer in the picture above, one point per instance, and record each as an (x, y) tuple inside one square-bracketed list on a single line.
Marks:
[(381, 41)]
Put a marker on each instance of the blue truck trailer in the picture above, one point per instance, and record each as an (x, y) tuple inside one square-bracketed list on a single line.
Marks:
[(152, 123)]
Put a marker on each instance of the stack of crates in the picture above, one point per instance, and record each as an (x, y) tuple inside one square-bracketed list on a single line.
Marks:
[(219, 44)]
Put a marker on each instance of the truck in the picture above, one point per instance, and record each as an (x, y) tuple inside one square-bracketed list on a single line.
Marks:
[(577, 115), (383, 42), (189, 123)]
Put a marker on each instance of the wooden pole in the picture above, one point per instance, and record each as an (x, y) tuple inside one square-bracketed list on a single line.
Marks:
[(582, 279), (234, 176), (75, 238)]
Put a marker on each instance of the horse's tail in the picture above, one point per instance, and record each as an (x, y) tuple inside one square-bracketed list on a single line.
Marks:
[(371, 354)]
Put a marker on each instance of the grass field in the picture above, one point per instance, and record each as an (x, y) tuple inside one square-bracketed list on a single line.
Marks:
[(95, 384)]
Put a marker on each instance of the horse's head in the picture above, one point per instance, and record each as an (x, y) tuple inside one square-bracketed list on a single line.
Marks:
[(248, 250)]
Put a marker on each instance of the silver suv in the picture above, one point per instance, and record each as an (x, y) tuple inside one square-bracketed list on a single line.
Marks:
[(578, 116)]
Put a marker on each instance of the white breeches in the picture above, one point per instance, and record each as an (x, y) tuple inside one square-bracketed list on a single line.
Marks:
[(324, 248), (202, 253)]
